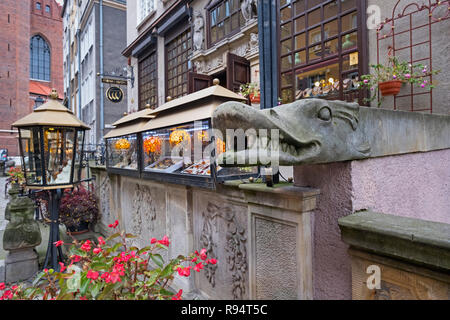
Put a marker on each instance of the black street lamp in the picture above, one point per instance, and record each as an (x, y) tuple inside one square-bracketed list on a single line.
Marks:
[(51, 141)]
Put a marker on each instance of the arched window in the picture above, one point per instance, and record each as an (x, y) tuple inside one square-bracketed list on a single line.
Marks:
[(39, 59)]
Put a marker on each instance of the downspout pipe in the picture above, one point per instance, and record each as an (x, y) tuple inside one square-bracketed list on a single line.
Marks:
[(79, 73), (102, 102)]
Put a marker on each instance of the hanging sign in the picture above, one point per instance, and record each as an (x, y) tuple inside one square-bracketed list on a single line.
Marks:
[(114, 94), (115, 81)]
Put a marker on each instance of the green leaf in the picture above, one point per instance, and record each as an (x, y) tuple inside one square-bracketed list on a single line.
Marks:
[(99, 266), (96, 289), (157, 259), (38, 278), (106, 292), (113, 236), (130, 236), (84, 285), (144, 250), (74, 283), (116, 246)]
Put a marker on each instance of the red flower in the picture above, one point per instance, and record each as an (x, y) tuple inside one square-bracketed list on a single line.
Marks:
[(83, 298), (194, 260), (198, 267), (75, 258), (101, 241), (184, 272), (62, 267), (2, 286), (164, 241), (212, 261), (7, 295), (178, 295), (92, 275), (203, 254), (86, 246), (58, 243), (153, 240), (97, 250), (114, 225)]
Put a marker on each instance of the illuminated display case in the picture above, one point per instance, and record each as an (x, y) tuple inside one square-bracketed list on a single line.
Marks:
[(174, 143), (123, 143), (183, 153)]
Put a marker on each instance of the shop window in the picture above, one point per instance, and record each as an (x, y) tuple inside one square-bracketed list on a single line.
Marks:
[(178, 66), (148, 81), (320, 46), (225, 19)]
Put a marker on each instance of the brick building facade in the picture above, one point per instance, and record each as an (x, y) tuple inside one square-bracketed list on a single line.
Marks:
[(20, 21)]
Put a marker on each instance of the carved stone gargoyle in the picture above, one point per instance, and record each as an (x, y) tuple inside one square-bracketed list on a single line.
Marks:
[(317, 131), (309, 131)]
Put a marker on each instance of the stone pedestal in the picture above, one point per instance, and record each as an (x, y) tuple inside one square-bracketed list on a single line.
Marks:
[(21, 264), (21, 236), (397, 258)]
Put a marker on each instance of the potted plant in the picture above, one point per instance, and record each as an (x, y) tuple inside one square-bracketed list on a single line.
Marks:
[(77, 210), (251, 90), (391, 77), (16, 178)]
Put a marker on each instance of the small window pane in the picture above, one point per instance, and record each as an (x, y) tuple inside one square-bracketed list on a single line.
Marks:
[(38, 5), (314, 17), (286, 30), (300, 57), (299, 24), (349, 22), (315, 35), (286, 63), (347, 5), (299, 7), (350, 41), (286, 47), (313, 3), (331, 29), (286, 14), (300, 41), (330, 10)]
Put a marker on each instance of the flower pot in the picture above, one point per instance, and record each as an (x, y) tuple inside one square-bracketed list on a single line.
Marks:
[(80, 228), (255, 99), (390, 88)]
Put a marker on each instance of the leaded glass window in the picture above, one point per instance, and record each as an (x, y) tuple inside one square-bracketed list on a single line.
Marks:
[(39, 59)]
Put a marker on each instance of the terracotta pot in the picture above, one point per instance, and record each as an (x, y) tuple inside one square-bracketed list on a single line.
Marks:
[(80, 228), (255, 99), (390, 88)]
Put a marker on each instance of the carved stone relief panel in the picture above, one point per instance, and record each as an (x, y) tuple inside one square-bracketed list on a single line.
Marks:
[(144, 211), (220, 227), (396, 283), (276, 260), (105, 198)]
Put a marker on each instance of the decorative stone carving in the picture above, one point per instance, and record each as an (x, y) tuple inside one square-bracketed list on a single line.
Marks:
[(105, 198), (21, 235), (198, 27), (248, 8), (254, 42), (144, 211), (310, 131), (13, 194), (235, 247)]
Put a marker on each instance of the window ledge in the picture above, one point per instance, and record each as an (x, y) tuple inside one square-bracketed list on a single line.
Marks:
[(146, 19)]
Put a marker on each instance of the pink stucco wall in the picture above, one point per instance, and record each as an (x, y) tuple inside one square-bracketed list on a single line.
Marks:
[(411, 185)]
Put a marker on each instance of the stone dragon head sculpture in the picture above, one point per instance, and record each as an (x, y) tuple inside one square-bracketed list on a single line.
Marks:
[(309, 131)]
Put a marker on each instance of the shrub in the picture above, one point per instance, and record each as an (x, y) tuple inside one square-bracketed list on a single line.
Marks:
[(111, 272)]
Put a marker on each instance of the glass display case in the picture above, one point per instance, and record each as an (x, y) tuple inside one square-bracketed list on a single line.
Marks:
[(122, 153), (183, 154)]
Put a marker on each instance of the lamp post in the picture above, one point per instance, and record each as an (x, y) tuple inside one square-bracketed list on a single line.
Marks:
[(51, 141)]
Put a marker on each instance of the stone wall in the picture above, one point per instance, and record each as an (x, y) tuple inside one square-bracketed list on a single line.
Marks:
[(260, 236), (414, 185), (440, 34)]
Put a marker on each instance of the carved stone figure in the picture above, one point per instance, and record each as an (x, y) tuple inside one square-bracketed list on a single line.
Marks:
[(254, 41), (248, 8), (198, 35), (309, 130), (21, 235)]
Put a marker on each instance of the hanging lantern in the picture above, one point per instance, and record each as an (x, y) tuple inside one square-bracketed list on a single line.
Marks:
[(152, 145)]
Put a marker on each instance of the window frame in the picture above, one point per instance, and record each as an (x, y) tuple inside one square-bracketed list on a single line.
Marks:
[(143, 15), (41, 59), (168, 40), (148, 55), (325, 60), (213, 5)]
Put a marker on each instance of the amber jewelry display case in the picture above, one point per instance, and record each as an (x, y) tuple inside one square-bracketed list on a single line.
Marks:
[(175, 142)]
